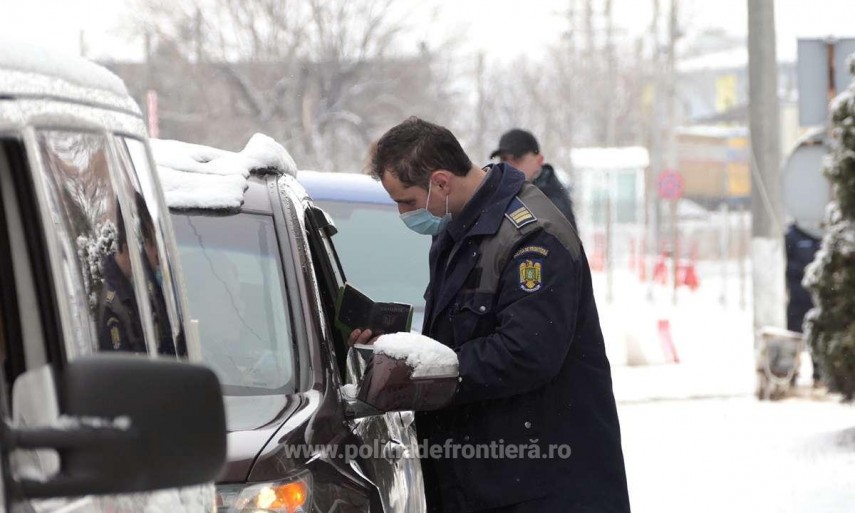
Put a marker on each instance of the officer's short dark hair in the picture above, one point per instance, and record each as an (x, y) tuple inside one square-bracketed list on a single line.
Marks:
[(414, 149)]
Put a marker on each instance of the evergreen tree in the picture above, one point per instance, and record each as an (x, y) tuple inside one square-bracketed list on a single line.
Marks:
[(830, 326)]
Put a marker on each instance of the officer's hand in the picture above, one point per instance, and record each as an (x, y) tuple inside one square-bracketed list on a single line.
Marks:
[(361, 337)]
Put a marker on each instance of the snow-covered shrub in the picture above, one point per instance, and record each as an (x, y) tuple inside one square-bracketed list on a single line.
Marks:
[(830, 326)]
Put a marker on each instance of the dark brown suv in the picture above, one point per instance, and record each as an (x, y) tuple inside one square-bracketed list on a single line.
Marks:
[(262, 279)]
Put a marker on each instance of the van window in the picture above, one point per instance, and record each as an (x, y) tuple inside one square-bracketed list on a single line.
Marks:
[(156, 258), (95, 249)]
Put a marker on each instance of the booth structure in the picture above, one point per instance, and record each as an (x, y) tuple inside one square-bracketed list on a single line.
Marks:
[(609, 188)]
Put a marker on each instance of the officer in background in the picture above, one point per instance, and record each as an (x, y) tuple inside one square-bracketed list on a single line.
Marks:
[(120, 328), (801, 249), (119, 318), (520, 149), (510, 291)]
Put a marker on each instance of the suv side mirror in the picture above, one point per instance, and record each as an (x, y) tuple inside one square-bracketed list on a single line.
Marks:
[(129, 424), (391, 383)]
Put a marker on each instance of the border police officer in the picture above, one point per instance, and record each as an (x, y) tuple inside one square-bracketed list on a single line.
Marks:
[(510, 291)]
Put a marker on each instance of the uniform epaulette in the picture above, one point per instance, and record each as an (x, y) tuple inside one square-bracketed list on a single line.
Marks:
[(519, 214)]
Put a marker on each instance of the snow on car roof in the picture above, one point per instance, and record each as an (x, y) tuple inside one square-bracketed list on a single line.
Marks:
[(196, 176), (30, 70)]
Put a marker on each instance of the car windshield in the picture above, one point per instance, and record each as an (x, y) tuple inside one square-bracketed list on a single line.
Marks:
[(380, 255), (237, 294)]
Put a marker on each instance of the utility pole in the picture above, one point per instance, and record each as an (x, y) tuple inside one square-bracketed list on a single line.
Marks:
[(652, 217), (481, 115), (767, 251), (611, 77), (671, 138)]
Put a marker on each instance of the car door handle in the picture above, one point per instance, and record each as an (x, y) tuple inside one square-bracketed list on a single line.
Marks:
[(394, 450)]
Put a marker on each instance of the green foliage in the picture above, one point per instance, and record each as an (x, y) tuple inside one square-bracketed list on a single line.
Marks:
[(830, 326)]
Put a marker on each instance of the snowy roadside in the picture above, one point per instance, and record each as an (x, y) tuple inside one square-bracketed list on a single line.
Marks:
[(739, 455), (713, 342)]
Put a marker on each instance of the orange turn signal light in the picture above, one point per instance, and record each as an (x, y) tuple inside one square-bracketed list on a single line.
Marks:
[(287, 497)]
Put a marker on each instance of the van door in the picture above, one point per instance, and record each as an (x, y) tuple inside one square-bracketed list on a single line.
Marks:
[(78, 283)]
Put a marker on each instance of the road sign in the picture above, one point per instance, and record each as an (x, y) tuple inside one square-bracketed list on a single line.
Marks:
[(821, 71), (670, 185)]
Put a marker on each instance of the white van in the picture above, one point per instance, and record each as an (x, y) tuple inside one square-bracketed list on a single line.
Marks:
[(101, 411)]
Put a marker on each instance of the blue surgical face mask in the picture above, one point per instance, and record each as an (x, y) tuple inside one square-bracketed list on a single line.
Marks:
[(423, 222)]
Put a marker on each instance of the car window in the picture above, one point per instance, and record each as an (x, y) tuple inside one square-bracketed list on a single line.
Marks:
[(156, 260), (330, 278), (236, 290), (392, 269), (96, 252)]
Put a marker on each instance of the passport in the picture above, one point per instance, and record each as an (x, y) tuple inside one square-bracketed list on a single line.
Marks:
[(355, 310)]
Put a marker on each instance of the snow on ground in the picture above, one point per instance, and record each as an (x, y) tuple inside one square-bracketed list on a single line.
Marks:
[(739, 455), (694, 437), (713, 341)]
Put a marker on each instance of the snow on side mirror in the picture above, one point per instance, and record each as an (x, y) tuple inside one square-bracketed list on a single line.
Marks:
[(408, 371)]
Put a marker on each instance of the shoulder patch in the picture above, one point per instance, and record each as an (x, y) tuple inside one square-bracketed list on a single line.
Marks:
[(519, 214), (540, 250), (531, 275), (111, 295), (115, 333)]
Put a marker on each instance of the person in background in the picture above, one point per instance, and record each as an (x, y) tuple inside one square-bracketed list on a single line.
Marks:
[(801, 249), (520, 149), (119, 323)]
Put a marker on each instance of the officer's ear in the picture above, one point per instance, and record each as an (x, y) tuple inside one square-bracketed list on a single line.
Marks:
[(441, 179)]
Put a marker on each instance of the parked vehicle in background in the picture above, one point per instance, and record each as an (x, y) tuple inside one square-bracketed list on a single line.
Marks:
[(384, 259), (87, 267), (263, 276)]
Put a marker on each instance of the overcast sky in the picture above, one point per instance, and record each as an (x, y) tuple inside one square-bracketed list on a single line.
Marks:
[(503, 29)]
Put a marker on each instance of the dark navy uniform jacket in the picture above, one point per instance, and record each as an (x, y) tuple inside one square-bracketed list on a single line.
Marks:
[(510, 291), (550, 185), (120, 327), (801, 250)]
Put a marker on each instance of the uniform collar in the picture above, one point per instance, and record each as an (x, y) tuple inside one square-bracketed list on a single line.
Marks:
[(483, 213)]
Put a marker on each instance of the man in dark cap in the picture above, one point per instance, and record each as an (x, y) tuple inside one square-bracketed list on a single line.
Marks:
[(520, 149)]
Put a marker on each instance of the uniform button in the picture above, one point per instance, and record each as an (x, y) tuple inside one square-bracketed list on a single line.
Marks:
[(460, 379), (482, 308), (527, 425)]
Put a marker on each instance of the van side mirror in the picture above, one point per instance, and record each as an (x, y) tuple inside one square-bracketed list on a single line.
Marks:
[(128, 424), (392, 382)]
